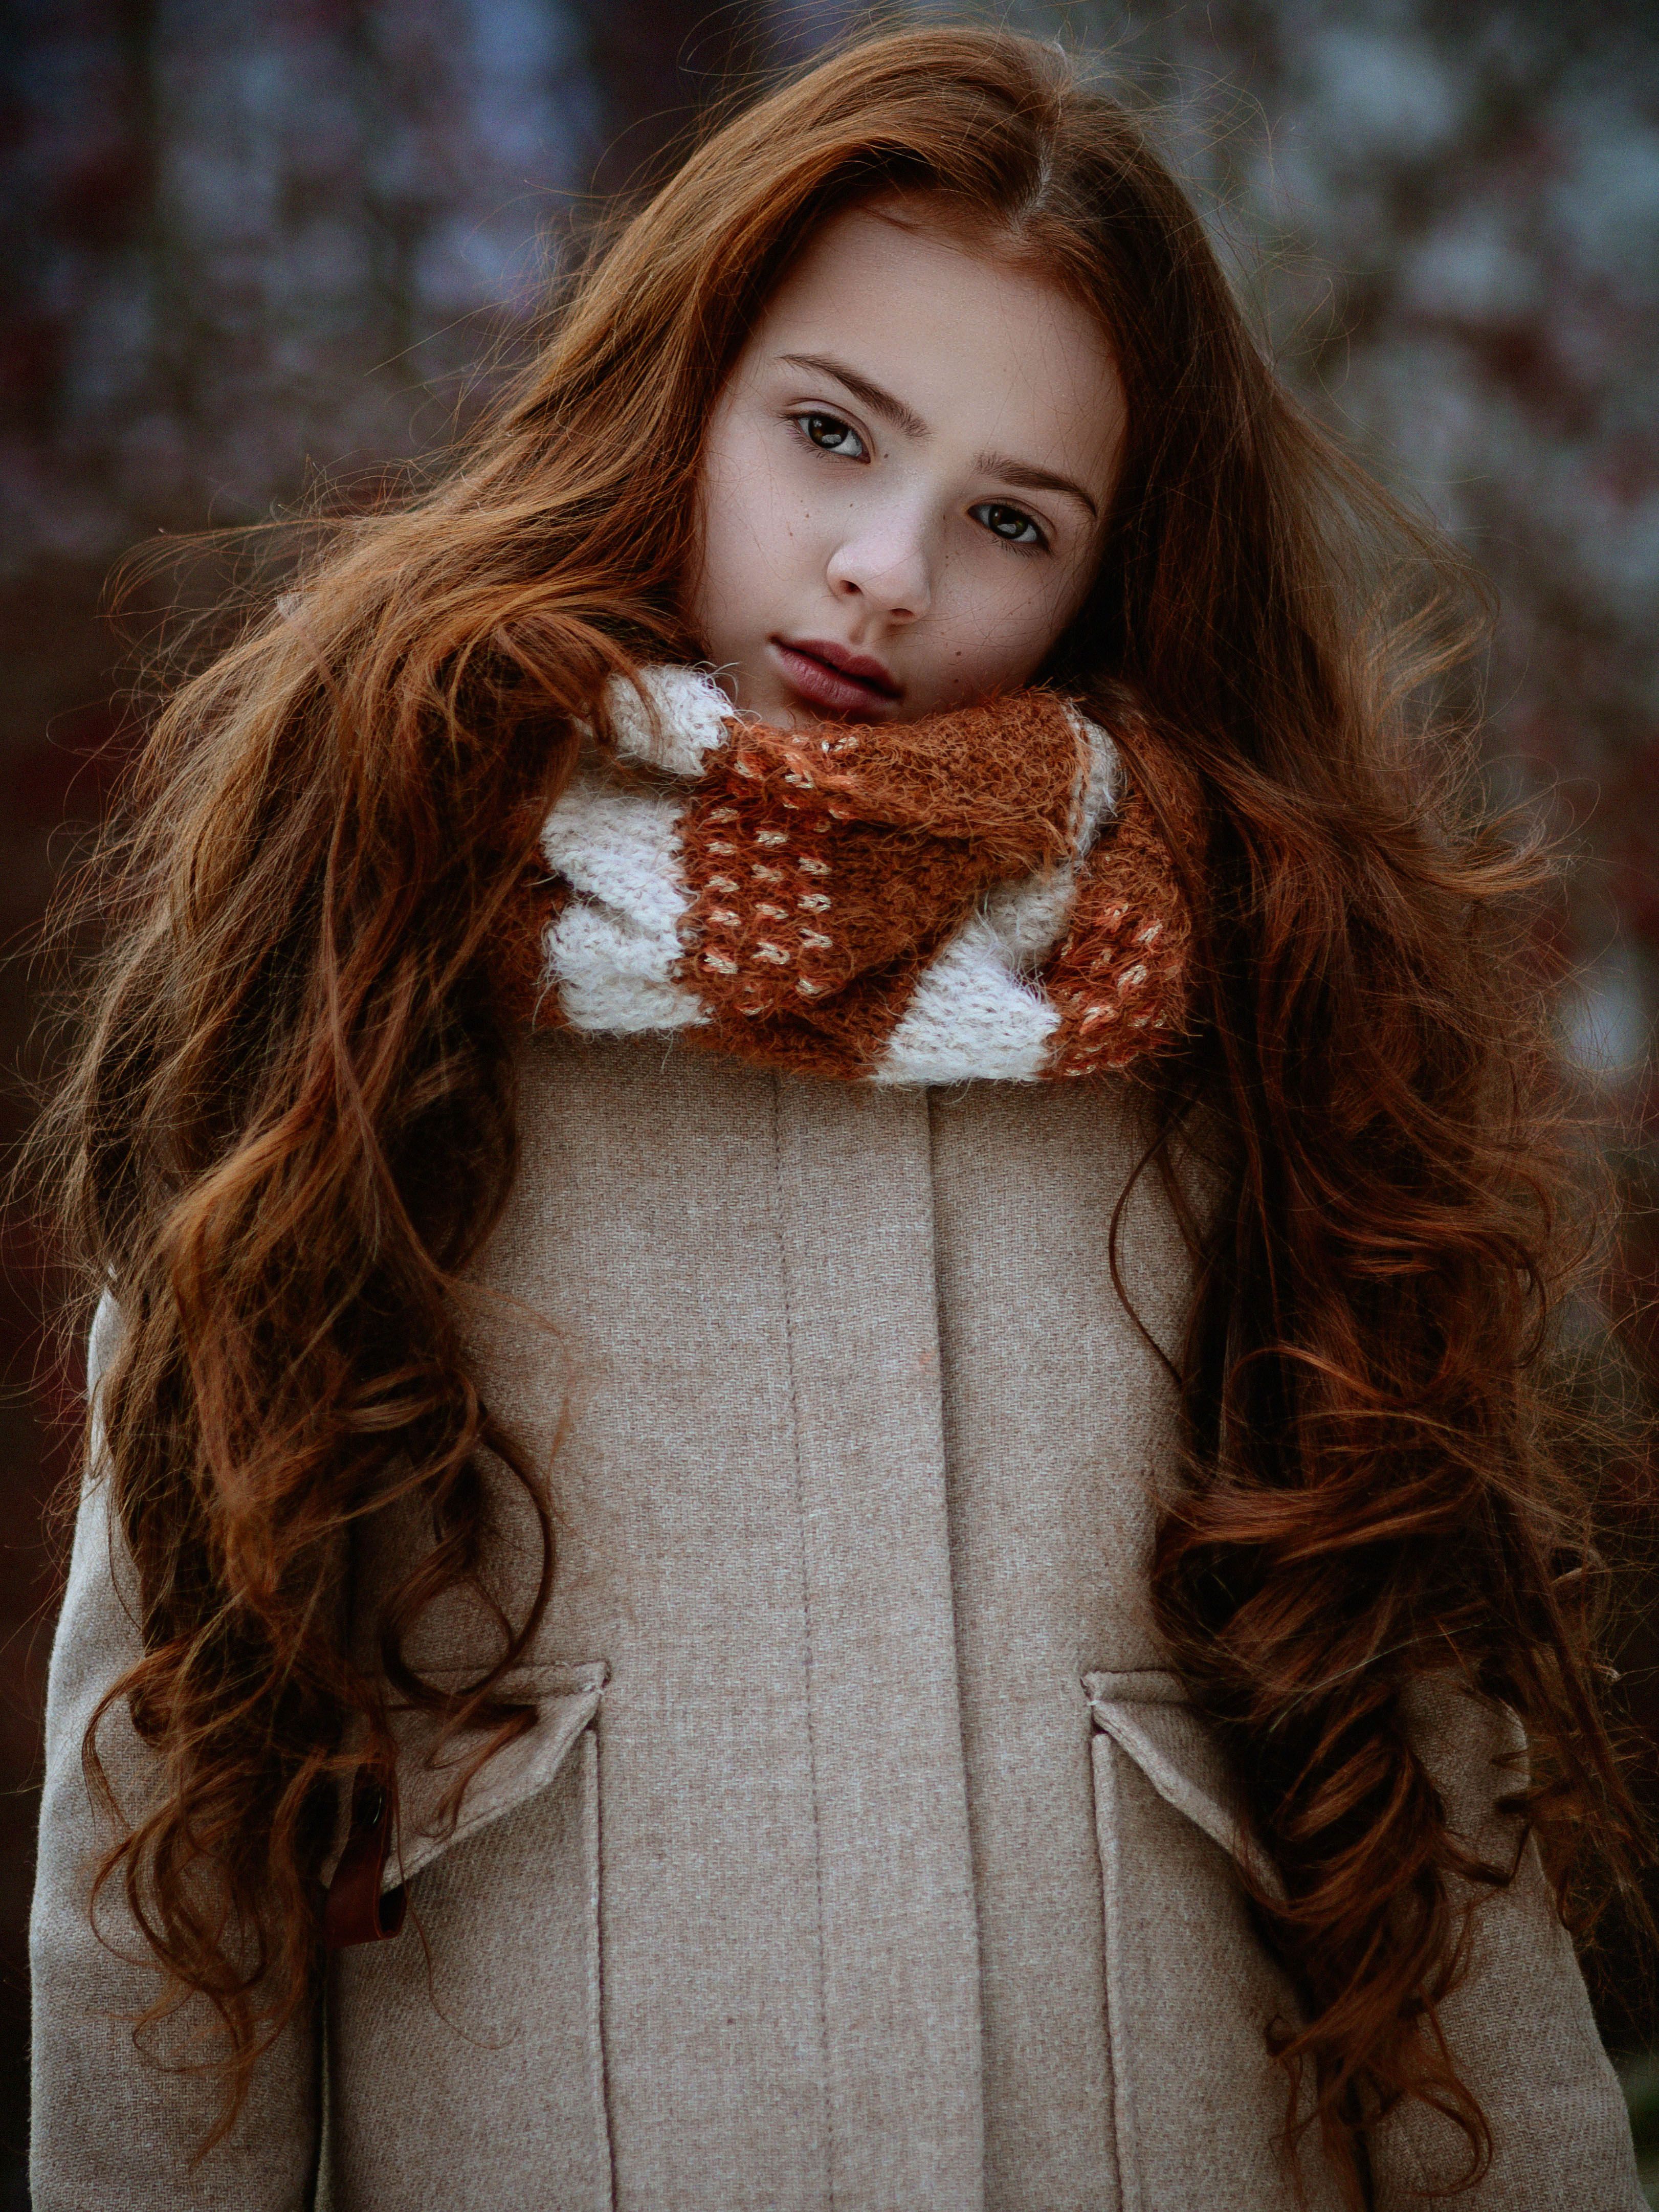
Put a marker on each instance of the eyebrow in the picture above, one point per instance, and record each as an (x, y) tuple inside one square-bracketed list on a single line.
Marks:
[(1023, 475), (878, 402)]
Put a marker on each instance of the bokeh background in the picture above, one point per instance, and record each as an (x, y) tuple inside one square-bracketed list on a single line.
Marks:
[(256, 250)]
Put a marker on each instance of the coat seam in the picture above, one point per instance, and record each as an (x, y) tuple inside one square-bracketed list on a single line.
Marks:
[(588, 1745), (1108, 1849), (806, 1630), (951, 1509)]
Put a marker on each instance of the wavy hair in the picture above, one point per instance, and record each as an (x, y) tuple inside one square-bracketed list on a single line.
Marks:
[(290, 1126)]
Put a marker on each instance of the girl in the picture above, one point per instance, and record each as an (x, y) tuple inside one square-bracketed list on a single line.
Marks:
[(817, 1474)]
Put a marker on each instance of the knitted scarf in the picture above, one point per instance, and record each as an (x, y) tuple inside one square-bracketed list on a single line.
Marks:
[(973, 895)]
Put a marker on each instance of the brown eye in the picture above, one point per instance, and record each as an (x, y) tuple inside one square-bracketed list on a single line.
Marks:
[(831, 435), (1010, 524)]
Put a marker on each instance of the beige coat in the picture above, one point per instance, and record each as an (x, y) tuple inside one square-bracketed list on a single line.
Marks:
[(866, 1857)]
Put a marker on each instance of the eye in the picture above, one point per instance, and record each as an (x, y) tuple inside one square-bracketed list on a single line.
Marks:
[(1010, 524), (831, 435)]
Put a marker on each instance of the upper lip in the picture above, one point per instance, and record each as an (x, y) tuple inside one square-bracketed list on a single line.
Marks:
[(846, 662)]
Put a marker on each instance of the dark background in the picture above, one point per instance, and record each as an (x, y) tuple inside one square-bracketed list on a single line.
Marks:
[(253, 249)]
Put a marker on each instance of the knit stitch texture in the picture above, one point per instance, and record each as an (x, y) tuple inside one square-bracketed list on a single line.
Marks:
[(973, 895)]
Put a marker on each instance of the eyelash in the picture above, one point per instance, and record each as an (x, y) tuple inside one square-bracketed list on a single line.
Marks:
[(985, 507)]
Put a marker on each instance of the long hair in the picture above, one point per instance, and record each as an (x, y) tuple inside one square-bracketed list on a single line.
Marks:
[(291, 1124)]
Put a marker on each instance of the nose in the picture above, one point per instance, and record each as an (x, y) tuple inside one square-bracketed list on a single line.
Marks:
[(887, 565)]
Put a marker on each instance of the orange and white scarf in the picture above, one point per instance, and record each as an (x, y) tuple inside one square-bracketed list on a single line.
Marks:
[(973, 895)]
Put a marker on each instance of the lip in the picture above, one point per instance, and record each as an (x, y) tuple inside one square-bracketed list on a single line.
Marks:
[(835, 678)]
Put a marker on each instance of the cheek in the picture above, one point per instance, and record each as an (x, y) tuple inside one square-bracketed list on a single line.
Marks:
[(1004, 624), (748, 518)]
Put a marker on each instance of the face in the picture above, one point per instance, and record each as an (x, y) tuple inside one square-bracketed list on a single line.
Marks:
[(905, 481)]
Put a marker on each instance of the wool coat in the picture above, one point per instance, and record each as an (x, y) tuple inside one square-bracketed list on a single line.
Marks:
[(865, 1856)]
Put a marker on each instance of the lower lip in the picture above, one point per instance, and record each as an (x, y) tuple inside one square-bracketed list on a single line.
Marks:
[(827, 689)]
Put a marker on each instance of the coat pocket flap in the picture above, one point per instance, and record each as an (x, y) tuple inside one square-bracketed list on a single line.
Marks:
[(1148, 1715), (567, 1699)]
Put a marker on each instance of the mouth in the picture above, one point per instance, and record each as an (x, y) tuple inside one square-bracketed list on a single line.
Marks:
[(834, 679)]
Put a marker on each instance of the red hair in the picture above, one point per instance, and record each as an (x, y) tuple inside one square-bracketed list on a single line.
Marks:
[(291, 1126)]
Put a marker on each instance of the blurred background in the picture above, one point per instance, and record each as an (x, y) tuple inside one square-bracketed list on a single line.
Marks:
[(254, 248)]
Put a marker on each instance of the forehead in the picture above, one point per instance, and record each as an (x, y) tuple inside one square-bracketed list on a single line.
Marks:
[(978, 346)]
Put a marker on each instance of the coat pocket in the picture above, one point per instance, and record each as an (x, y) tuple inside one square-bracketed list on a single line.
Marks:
[(466, 2061), (1192, 1993)]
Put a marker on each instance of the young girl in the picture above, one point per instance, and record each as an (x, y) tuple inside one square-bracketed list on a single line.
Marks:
[(817, 1476)]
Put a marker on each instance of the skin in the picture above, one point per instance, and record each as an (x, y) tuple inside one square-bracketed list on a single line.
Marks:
[(912, 460)]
